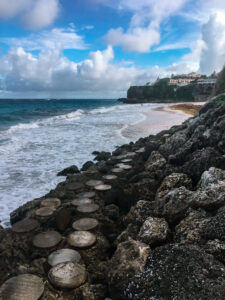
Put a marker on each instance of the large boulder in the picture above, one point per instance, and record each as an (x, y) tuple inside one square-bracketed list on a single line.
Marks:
[(69, 171), (175, 180)]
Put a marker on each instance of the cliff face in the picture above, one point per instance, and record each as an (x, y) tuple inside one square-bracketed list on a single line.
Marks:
[(163, 92)]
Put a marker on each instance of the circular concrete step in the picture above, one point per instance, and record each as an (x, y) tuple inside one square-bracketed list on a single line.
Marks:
[(86, 195), (93, 183), (117, 170), (88, 208), (85, 224), (141, 150), (51, 202), (109, 177), (124, 166), (81, 239), (47, 239), (63, 255), (26, 225), (126, 160), (67, 275), (22, 287), (45, 212), (82, 201), (103, 187)]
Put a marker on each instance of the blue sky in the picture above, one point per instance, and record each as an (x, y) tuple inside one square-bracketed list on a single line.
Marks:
[(98, 48)]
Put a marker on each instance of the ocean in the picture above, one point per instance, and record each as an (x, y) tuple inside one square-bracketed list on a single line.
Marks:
[(39, 138)]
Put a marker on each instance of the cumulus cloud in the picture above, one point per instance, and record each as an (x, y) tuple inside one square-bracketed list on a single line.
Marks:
[(144, 29), (64, 38), (32, 14), (212, 56)]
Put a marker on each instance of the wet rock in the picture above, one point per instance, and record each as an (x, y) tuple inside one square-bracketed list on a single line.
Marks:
[(173, 204), (93, 292), (155, 162), (87, 165), (175, 180), (177, 272), (111, 211), (69, 171), (154, 231), (129, 259), (102, 156), (215, 228)]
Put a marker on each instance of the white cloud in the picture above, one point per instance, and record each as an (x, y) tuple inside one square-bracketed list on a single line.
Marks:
[(32, 14), (144, 30), (64, 38)]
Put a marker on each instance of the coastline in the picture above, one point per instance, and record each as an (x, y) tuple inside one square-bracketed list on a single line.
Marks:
[(161, 183)]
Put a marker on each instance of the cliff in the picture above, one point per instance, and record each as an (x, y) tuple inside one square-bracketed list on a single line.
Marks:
[(161, 91), (155, 228)]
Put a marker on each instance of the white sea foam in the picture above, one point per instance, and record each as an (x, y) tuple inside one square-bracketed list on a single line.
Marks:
[(33, 153)]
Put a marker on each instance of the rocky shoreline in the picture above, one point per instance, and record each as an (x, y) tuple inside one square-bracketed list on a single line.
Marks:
[(157, 228)]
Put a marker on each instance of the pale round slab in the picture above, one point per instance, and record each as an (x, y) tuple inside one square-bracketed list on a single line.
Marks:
[(22, 287), (110, 177), (117, 170), (141, 150), (47, 239), (81, 201), (86, 195), (51, 202), (81, 239), (63, 255), (25, 225), (124, 166), (119, 157), (127, 160), (130, 154), (67, 275), (85, 224), (103, 187), (45, 211), (88, 208), (74, 186), (93, 183)]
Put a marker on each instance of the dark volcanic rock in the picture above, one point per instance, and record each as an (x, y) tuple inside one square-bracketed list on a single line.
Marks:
[(68, 171), (178, 272)]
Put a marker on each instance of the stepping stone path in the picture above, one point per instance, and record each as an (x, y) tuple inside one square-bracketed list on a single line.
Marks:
[(123, 166), (47, 239), (88, 208), (109, 177), (93, 183), (103, 187), (22, 287), (51, 202), (25, 225), (82, 201), (67, 275), (86, 195), (74, 186), (85, 224), (62, 256), (117, 170), (45, 211), (130, 154), (126, 160), (81, 239)]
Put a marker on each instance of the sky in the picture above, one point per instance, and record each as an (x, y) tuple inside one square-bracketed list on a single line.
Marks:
[(98, 48)]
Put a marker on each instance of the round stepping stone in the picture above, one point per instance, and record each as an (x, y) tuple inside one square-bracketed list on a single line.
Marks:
[(51, 202), (93, 183), (67, 275), (110, 177), (126, 160), (45, 211), (86, 195), (141, 150), (81, 201), (85, 224), (25, 225), (117, 170), (88, 208), (119, 157), (63, 255), (47, 239), (74, 186), (123, 166), (22, 287), (81, 239), (130, 154), (103, 187)]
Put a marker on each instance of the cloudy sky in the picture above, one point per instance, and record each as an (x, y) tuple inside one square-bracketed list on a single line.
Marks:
[(98, 48)]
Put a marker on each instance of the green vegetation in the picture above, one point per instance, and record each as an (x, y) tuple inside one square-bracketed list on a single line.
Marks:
[(221, 100), (161, 90), (220, 84)]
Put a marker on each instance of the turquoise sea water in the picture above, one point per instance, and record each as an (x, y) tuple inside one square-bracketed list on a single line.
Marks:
[(39, 138)]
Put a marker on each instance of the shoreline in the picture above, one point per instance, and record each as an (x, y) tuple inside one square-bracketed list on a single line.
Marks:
[(155, 209)]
